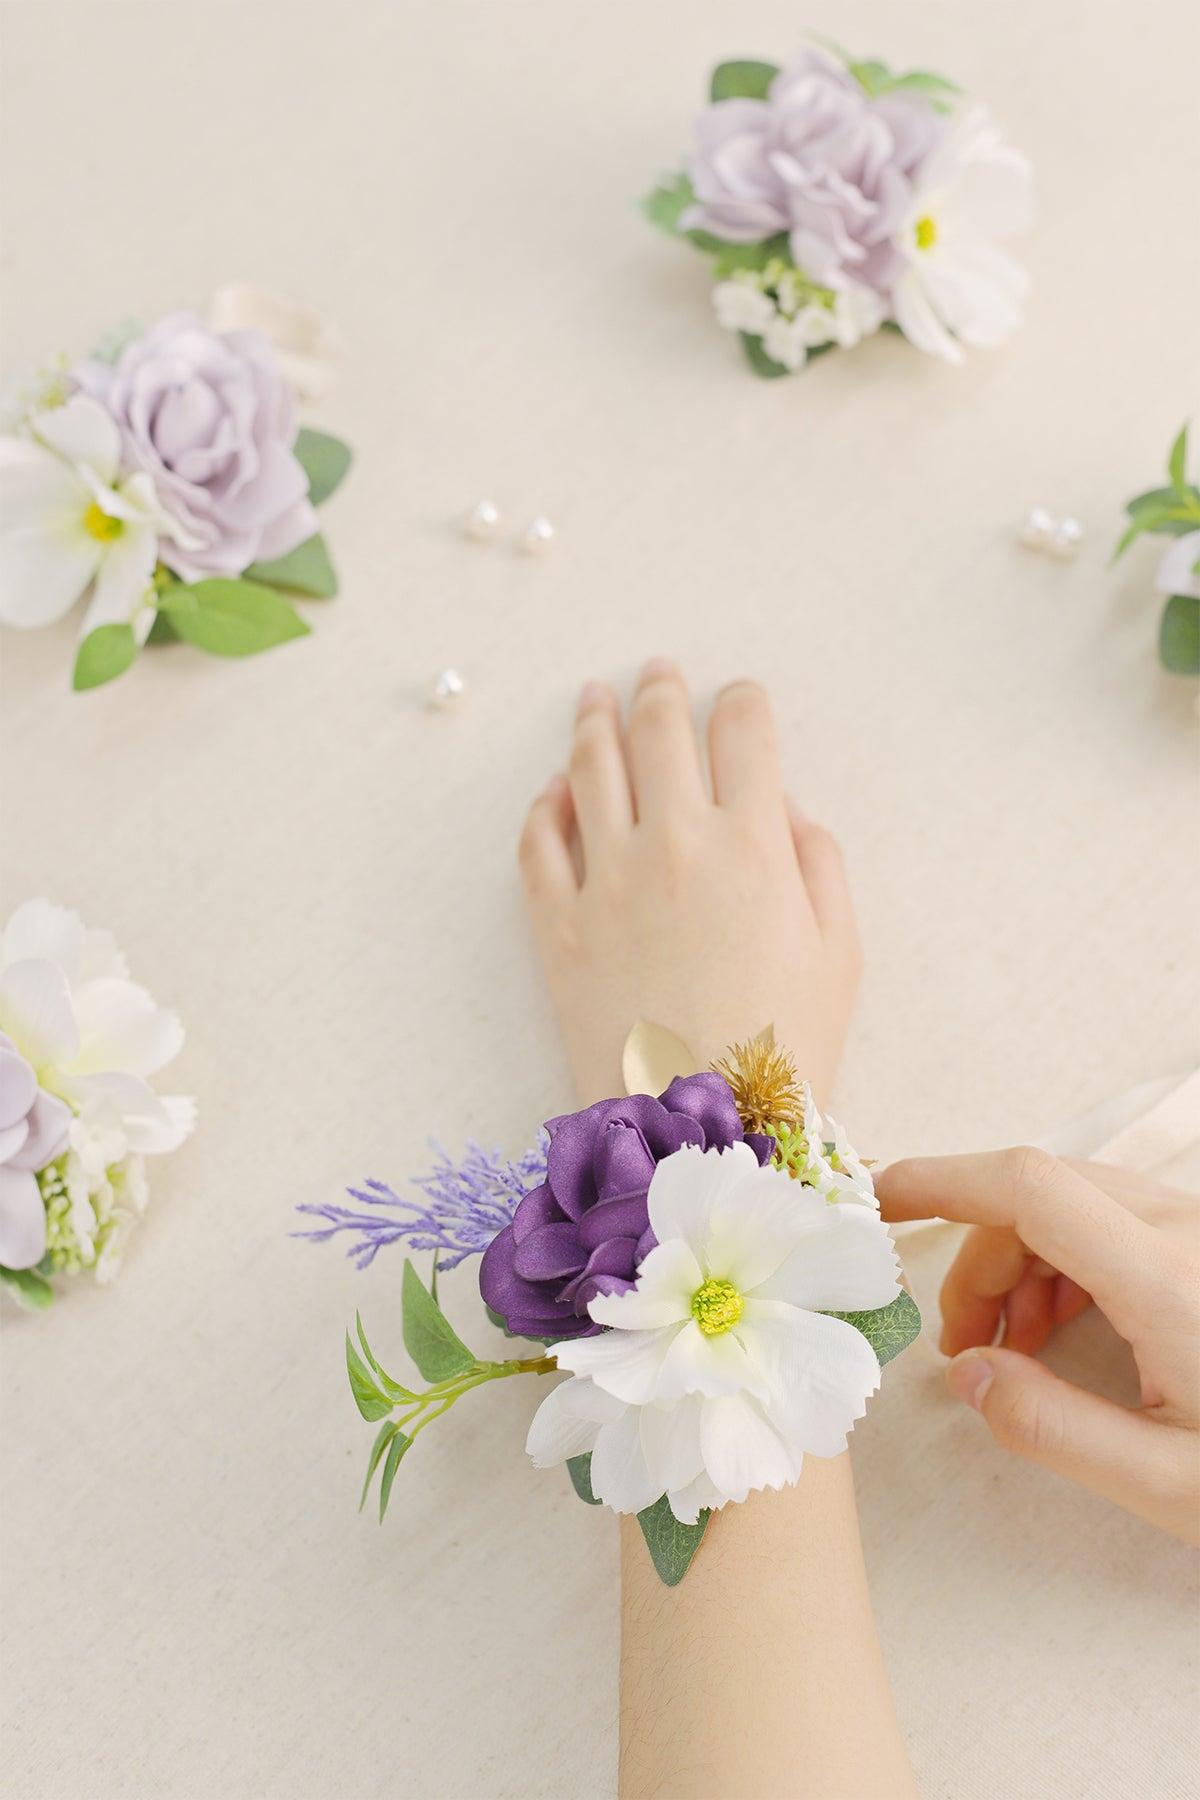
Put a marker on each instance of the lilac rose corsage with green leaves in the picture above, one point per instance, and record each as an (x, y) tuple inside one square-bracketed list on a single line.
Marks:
[(1173, 512), (166, 481), (702, 1258), (836, 198)]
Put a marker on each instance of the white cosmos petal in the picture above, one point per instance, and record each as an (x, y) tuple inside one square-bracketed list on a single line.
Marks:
[(39, 928), (756, 1223), (845, 1262), (122, 582), (918, 320), (181, 1112), (698, 1364), (47, 558), (684, 1186), (619, 1474), (151, 1127), (36, 1012), (624, 1363), (22, 1220), (666, 1281), (567, 1421), (82, 431), (120, 1027), (741, 1449), (820, 1372), (702, 1494), (671, 1442)]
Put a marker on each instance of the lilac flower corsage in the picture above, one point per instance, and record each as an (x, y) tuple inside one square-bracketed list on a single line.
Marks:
[(166, 480), (1174, 512), (837, 198), (703, 1258)]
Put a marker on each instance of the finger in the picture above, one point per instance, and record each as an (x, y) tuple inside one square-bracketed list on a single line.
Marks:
[(1070, 1300), (1123, 1455), (664, 760), (743, 748), (544, 850), (989, 1264), (1150, 1200), (1029, 1313), (824, 874), (1055, 1212), (599, 780)]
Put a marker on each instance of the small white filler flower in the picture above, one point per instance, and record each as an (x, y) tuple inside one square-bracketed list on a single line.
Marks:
[(721, 1368)]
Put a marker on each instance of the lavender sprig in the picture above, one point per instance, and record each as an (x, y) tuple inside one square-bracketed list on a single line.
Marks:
[(464, 1205)]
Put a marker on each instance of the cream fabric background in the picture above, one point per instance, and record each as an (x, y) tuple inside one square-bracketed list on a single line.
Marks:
[(318, 872)]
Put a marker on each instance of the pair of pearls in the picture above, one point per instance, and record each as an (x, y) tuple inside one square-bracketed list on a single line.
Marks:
[(483, 523), (1058, 537)]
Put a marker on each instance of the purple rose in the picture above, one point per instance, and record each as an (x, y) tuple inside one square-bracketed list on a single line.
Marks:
[(586, 1228), (208, 416), (33, 1131), (819, 159)]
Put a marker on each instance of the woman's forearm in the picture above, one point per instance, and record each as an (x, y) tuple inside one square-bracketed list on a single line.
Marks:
[(760, 1677)]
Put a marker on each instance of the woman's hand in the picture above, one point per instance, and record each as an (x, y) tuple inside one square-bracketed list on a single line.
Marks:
[(713, 916), (1050, 1238)]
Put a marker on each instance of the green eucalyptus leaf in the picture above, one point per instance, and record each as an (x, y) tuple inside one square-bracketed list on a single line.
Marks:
[(396, 1450), (671, 1545), (30, 1288), (665, 203), (162, 631), (1179, 635), (103, 655), (370, 1400), (429, 1337), (1177, 463), (759, 361), (387, 1431), (324, 460), (304, 570), (888, 1329), (742, 80), (579, 1468), (231, 618)]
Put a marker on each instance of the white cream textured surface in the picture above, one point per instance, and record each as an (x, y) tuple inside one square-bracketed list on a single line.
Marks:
[(318, 871)]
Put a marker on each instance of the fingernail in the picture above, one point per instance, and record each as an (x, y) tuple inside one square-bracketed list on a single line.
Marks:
[(658, 665), (590, 694), (969, 1377)]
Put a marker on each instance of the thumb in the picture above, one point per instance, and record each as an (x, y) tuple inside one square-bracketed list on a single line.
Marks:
[(1110, 1449)]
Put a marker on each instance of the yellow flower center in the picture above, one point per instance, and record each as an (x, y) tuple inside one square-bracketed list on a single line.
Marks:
[(716, 1306), (101, 525), (927, 232)]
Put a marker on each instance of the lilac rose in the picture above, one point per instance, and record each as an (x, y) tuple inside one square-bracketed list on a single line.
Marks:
[(818, 159), (33, 1131), (584, 1230), (208, 416)]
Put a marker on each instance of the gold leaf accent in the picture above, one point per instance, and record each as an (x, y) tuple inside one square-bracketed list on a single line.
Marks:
[(763, 1082), (652, 1058)]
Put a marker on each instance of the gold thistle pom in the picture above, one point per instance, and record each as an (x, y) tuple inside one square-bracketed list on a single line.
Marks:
[(763, 1082)]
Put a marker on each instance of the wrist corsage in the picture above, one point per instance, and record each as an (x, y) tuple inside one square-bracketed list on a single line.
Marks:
[(79, 1043), (165, 478), (837, 197), (1173, 511), (703, 1259)]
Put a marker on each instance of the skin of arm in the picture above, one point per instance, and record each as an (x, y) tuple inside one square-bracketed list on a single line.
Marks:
[(715, 910)]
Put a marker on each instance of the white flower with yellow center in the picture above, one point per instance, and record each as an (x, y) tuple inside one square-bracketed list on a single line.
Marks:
[(70, 524), (957, 286), (720, 1369)]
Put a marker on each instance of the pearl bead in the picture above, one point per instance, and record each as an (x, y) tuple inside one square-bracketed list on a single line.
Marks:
[(1068, 535), (482, 521), (538, 536), (448, 691), (1038, 529)]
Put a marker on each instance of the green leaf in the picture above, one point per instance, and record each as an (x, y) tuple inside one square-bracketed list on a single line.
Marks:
[(29, 1287), (759, 361), (888, 1329), (382, 1377), (387, 1431), (103, 655), (671, 1545), (231, 618), (324, 460), (396, 1450), (874, 77), (579, 1468), (742, 80), (665, 203), (162, 631), (429, 1337), (732, 257), (371, 1402), (1163, 510), (304, 570), (940, 92), (1179, 635), (1177, 463)]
